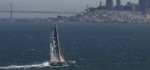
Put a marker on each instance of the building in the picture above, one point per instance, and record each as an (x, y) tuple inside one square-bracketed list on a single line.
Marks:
[(148, 4), (127, 7), (143, 6), (109, 4), (118, 5), (133, 7), (100, 4), (118, 2)]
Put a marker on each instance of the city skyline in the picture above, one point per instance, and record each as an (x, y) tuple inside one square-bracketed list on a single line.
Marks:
[(56, 5)]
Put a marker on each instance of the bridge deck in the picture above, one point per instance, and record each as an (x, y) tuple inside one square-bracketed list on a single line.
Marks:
[(40, 12)]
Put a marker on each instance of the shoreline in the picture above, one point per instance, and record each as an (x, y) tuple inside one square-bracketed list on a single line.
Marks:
[(69, 22), (97, 16)]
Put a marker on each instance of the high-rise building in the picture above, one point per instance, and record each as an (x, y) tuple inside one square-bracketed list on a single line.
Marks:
[(109, 4), (148, 3), (100, 4), (143, 6), (118, 5), (133, 8)]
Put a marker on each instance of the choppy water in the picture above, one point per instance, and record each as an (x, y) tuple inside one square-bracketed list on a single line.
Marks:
[(25, 46)]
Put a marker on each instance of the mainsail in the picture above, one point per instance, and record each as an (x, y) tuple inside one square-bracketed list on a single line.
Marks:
[(56, 54)]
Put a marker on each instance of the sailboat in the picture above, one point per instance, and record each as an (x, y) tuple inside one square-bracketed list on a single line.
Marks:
[(56, 53)]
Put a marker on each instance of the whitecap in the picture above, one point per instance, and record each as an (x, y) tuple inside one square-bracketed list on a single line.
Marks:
[(44, 64)]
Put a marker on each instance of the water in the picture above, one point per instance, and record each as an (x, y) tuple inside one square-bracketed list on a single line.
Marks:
[(32, 15), (25, 46)]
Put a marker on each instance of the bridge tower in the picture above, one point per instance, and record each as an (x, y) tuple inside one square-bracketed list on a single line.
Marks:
[(11, 10)]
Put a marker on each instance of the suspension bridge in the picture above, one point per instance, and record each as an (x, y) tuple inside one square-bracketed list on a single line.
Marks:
[(40, 12), (11, 11)]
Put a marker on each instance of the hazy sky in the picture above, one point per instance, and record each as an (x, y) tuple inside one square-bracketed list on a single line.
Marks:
[(53, 5)]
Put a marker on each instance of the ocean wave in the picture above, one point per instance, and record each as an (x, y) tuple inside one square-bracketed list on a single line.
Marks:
[(41, 65)]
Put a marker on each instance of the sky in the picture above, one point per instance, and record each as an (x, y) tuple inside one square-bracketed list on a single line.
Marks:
[(53, 5)]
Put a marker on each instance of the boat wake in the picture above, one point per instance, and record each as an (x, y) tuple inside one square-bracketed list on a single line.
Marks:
[(44, 64)]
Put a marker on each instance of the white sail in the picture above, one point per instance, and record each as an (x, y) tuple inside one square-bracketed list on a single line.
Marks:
[(53, 56)]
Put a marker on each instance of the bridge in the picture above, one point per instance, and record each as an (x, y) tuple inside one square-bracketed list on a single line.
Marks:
[(55, 12), (11, 11), (40, 12)]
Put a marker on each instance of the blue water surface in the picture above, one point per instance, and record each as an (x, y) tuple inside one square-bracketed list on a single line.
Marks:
[(103, 46)]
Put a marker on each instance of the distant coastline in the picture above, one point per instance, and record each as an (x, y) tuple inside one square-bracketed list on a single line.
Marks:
[(97, 16), (108, 13), (105, 16)]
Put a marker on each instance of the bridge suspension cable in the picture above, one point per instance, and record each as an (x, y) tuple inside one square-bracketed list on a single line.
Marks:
[(11, 11)]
